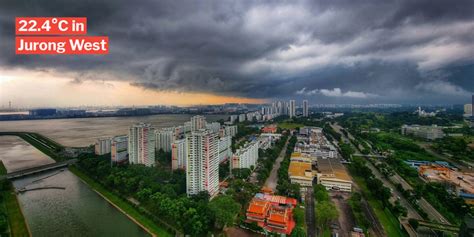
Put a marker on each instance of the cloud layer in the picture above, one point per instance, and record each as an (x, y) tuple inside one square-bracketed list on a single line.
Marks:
[(398, 51)]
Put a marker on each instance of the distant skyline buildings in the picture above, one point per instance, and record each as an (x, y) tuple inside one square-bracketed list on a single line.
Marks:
[(305, 108)]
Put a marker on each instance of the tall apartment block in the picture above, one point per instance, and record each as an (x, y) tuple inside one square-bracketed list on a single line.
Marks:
[(119, 147), (198, 122), (292, 112), (102, 146), (141, 144), (305, 108), (164, 138), (178, 154), (202, 164)]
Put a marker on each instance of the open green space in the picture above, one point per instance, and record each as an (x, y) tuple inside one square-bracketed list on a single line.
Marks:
[(386, 218), (289, 125), (122, 204)]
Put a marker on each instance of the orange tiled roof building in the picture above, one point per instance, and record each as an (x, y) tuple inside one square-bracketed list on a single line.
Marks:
[(273, 213)]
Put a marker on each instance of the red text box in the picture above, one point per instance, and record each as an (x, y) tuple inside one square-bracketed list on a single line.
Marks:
[(62, 45), (50, 25)]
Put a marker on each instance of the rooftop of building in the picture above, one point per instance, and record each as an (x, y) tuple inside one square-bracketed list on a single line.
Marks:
[(300, 169), (332, 168)]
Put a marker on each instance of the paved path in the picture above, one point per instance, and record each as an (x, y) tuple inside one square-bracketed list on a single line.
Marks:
[(272, 180)]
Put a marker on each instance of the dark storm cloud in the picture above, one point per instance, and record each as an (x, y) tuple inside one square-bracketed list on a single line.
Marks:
[(366, 50)]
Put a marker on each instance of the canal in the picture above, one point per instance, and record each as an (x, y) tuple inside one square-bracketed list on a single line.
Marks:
[(74, 211)]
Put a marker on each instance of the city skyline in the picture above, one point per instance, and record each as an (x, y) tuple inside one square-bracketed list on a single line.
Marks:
[(179, 53)]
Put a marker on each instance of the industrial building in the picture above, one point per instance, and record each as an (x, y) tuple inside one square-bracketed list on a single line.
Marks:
[(300, 170), (432, 132), (333, 175)]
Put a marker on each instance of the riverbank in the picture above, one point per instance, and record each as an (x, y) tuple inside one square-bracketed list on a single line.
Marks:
[(123, 206), (11, 207)]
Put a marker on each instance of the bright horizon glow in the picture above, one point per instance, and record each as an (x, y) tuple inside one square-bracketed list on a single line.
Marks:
[(42, 89)]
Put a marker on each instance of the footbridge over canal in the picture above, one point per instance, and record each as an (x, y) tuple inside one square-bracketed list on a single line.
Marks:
[(38, 169)]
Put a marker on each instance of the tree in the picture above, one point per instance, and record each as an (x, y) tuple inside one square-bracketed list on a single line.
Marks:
[(414, 223), (325, 212), (224, 209), (298, 232)]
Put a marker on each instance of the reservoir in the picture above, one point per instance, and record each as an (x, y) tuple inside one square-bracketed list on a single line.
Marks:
[(82, 132), (76, 210)]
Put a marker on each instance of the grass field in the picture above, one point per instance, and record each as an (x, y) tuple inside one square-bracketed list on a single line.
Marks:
[(386, 218), (287, 125), (125, 206), (12, 209)]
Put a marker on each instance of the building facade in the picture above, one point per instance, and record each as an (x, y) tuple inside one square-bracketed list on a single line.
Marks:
[(119, 147), (202, 163), (102, 146), (305, 108), (292, 109), (164, 139), (178, 154), (245, 157), (198, 122), (141, 144)]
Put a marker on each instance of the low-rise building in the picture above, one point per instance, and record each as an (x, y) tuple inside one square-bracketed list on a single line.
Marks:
[(432, 132), (300, 172), (273, 213)]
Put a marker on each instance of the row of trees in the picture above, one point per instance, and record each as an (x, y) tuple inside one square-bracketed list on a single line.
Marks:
[(162, 195), (266, 159), (376, 187), (325, 210), (284, 186)]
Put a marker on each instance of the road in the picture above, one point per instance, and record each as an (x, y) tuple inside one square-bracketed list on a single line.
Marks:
[(411, 212), (433, 214), (309, 213), (272, 180)]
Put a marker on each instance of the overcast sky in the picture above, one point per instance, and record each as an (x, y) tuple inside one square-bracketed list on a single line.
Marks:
[(326, 51)]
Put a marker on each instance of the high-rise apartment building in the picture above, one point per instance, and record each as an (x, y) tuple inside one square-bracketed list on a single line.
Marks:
[(241, 118), (214, 126), (198, 122), (119, 147), (141, 144), (305, 108), (164, 138), (292, 108), (202, 164), (467, 110), (102, 146), (178, 154), (245, 157)]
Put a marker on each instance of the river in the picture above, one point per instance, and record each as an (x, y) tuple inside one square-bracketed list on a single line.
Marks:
[(84, 131), (77, 210)]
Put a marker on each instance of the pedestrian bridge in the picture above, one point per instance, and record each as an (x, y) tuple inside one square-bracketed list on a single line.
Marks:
[(38, 169)]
